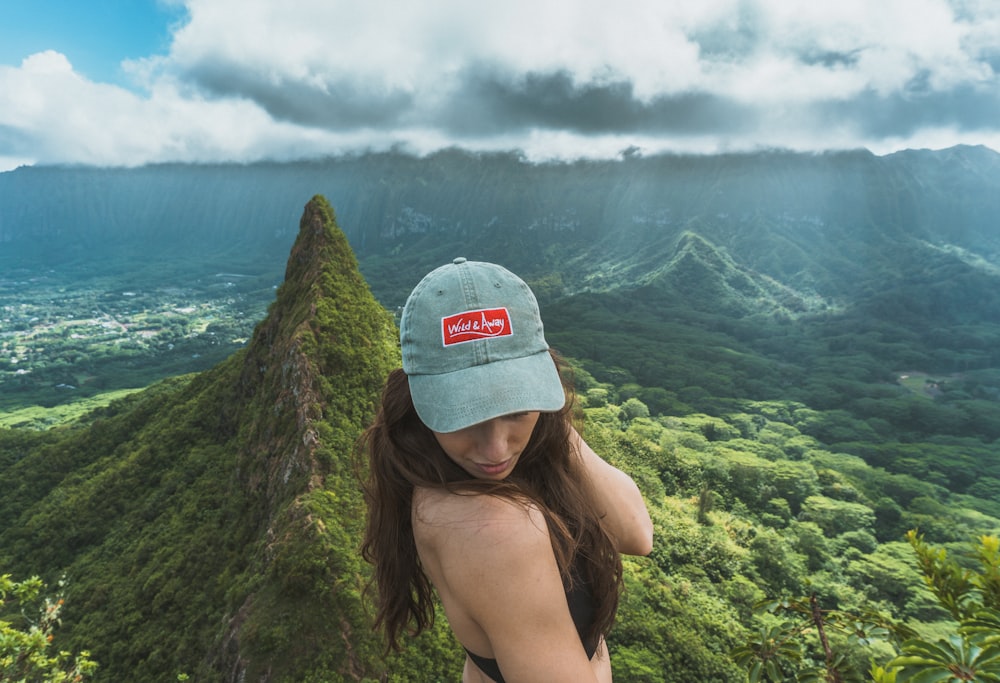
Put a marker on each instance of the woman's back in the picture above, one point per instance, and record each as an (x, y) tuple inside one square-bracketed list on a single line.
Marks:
[(492, 563)]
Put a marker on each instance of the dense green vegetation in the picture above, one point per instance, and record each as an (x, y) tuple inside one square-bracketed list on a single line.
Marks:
[(206, 524), (750, 508), (967, 587), (786, 433)]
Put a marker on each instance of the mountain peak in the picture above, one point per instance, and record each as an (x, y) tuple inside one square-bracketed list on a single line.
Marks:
[(707, 278), (323, 346), (308, 385)]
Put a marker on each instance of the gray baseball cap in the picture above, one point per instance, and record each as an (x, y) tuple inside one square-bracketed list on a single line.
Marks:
[(474, 348)]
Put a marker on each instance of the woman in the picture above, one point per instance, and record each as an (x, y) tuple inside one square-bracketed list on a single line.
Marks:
[(480, 488)]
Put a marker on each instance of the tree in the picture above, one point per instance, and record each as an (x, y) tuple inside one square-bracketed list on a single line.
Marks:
[(633, 408), (801, 643), (956, 659), (24, 651), (972, 653), (973, 599)]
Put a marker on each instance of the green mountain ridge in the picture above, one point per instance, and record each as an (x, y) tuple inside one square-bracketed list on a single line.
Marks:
[(202, 523), (707, 278)]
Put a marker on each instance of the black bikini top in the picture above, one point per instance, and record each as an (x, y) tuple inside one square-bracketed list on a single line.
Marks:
[(581, 608)]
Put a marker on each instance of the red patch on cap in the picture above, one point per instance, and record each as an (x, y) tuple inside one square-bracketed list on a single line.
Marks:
[(474, 325)]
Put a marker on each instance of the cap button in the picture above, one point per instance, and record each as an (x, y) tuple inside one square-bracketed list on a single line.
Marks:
[(460, 259)]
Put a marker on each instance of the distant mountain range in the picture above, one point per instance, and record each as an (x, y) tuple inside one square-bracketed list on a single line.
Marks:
[(785, 231), (891, 263)]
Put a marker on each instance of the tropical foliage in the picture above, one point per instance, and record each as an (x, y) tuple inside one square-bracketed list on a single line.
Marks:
[(26, 648), (969, 652)]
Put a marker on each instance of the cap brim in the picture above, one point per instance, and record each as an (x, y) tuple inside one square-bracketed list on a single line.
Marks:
[(452, 401)]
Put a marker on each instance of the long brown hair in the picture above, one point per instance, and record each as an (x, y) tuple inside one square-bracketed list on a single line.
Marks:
[(403, 454)]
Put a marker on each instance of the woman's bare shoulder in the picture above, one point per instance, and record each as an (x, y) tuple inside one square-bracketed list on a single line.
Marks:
[(456, 520)]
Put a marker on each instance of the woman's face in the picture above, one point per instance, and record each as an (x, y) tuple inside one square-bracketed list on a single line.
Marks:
[(491, 449)]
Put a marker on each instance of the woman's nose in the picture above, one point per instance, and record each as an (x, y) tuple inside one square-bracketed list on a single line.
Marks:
[(492, 440)]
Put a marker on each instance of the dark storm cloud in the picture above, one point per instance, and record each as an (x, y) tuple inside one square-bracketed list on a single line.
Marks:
[(903, 113), (829, 58), (487, 102), (333, 105)]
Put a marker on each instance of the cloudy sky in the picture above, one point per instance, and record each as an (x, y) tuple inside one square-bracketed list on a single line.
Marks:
[(125, 82)]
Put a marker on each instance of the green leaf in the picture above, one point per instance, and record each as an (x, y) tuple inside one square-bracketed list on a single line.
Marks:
[(925, 676), (773, 671)]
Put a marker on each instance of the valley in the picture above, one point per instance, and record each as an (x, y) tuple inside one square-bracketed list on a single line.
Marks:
[(66, 337)]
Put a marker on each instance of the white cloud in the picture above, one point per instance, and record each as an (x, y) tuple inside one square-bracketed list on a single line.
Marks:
[(249, 79)]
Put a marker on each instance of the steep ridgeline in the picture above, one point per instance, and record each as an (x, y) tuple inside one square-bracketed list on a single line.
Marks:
[(210, 524)]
